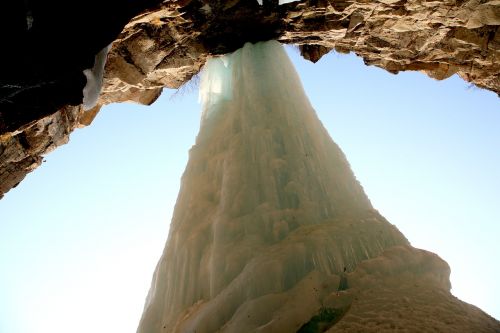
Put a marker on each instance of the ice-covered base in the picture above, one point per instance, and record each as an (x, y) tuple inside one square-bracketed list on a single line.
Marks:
[(269, 214)]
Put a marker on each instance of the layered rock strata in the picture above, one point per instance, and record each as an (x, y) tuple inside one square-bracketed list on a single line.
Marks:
[(168, 43)]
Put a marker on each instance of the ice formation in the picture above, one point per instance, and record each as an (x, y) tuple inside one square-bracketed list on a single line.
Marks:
[(269, 215), (280, 2), (94, 76)]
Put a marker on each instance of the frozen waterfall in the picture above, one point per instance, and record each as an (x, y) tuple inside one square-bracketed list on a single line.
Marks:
[(268, 209)]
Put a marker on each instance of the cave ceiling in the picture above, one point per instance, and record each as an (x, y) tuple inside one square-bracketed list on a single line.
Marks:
[(163, 44)]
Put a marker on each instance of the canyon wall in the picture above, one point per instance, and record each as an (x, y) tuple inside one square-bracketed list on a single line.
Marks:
[(163, 44)]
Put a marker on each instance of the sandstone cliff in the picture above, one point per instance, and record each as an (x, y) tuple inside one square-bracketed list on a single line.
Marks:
[(168, 43)]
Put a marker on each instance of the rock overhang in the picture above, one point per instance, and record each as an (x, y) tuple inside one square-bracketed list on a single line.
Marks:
[(168, 43)]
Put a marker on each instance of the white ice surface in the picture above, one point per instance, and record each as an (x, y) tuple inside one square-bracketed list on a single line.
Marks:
[(94, 77), (269, 214), (215, 85), (260, 204), (281, 2)]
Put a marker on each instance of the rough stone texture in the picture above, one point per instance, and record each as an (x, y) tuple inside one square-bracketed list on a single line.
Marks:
[(46, 47), (165, 46), (21, 152)]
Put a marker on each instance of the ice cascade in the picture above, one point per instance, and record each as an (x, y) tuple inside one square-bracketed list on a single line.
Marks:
[(268, 209)]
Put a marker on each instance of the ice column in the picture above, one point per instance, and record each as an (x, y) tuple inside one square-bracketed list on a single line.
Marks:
[(268, 208)]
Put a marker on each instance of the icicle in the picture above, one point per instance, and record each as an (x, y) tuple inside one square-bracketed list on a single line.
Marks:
[(281, 2), (94, 76), (216, 83)]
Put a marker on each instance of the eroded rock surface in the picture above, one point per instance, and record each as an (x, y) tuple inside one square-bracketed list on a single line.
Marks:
[(168, 43), (22, 151)]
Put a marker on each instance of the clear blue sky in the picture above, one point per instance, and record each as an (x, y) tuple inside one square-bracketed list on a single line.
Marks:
[(81, 235)]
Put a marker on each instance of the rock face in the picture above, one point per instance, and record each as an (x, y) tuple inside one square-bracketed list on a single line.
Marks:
[(272, 232), (168, 43), (21, 153), (48, 44)]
